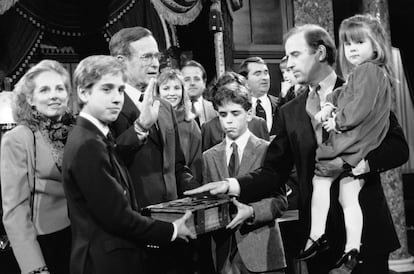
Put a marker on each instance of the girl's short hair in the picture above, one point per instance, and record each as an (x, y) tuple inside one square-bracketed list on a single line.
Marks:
[(21, 109), (359, 27), (185, 103)]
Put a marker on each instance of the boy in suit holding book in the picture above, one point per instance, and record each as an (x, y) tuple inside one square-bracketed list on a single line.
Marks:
[(252, 242), (108, 231)]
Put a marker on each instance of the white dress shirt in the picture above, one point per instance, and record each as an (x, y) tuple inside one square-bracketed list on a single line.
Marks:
[(101, 126), (241, 142)]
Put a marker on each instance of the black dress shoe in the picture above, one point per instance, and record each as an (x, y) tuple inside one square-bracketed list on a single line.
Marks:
[(347, 263), (317, 247)]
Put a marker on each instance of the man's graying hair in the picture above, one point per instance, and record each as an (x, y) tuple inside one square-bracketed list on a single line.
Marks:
[(120, 41)]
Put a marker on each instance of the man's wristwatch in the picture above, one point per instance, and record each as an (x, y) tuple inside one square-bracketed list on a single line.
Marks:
[(139, 128)]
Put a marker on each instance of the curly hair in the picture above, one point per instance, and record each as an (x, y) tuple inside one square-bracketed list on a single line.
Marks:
[(185, 103), (21, 109)]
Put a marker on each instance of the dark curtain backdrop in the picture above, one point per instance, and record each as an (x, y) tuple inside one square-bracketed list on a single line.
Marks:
[(198, 38), (84, 25)]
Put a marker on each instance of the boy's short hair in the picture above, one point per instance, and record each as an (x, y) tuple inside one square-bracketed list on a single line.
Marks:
[(226, 78), (244, 70), (91, 69), (237, 94)]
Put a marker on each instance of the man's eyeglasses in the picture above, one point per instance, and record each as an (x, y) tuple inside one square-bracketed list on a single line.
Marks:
[(148, 57)]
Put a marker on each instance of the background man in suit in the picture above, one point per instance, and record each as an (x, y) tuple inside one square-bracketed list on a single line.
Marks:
[(257, 246), (107, 228), (258, 78), (212, 132), (195, 78), (158, 168), (311, 54)]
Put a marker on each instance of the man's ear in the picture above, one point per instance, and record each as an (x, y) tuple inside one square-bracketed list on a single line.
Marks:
[(321, 51), (83, 94), (249, 115)]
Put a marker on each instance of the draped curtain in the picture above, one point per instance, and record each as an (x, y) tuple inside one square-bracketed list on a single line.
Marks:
[(404, 108), (88, 25)]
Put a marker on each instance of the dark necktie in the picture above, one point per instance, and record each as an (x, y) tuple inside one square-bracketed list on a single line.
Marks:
[(110, 140), (313, 105), (234, 161), (141, 97), (260, 112), (193, 110), (116, 164)]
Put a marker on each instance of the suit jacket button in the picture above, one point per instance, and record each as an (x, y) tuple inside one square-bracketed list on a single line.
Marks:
[(125, 192)]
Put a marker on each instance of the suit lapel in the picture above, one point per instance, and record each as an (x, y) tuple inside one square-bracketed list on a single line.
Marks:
[(304, 124), (249, 156), (120, 172), (220, 160), (273, 103), (162, 125)]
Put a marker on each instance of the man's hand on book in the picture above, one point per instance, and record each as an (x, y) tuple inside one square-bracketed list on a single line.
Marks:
[(220, 187), (183, 231)]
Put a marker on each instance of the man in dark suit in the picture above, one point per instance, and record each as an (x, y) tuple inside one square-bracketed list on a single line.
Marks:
[(157, 169), (107, 229), (195, 79), (258, 79), (311, 54)]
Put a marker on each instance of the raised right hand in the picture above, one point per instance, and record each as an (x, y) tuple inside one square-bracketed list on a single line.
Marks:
[(183, 231), (149, 106)]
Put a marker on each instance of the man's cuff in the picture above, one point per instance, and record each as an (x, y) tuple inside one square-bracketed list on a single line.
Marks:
[(141, 132), (174, 236), (234, 187)]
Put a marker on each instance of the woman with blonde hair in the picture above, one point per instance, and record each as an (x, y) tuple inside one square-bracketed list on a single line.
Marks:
[(35, 214), (171, 88)]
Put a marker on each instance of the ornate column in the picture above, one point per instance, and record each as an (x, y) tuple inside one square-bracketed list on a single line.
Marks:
[(400, 260)]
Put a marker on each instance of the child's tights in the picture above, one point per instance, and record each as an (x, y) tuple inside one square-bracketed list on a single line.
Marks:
[(349, 189)]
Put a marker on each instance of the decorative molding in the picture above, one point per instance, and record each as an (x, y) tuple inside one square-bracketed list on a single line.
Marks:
[(24, 64), (176, 13)]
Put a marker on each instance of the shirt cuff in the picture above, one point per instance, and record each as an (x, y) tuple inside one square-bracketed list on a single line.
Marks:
[(234, 187), (361, 168), (142, 133), (174, 236)]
